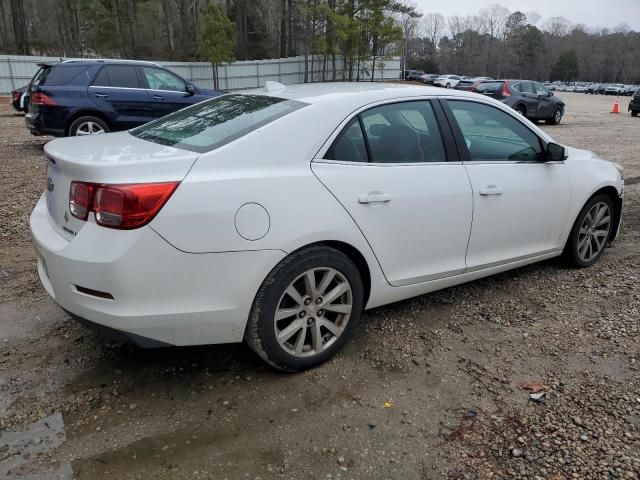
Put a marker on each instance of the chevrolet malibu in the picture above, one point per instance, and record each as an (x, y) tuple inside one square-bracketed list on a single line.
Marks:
[(277, 216)]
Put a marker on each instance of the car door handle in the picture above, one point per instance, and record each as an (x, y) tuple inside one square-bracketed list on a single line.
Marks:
[(100, 95), (374, 198), (491, 190), (158, 97)]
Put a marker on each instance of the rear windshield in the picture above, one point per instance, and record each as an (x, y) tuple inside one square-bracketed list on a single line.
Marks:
[(213, 123), (58, 75), (489, 87)]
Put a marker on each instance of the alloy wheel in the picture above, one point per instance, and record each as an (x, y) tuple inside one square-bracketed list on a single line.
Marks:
[(594, 232), (557, 116), (313, 312), (89, 128)]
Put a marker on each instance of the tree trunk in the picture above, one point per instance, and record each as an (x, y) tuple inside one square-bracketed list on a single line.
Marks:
[(290, 10), (20, 27), (283, 29), (166, 9), (242, 35)]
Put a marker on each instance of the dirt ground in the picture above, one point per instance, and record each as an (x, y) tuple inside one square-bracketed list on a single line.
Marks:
[(430, 388)]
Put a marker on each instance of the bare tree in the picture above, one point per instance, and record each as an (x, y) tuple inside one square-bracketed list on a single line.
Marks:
[(433, 26)]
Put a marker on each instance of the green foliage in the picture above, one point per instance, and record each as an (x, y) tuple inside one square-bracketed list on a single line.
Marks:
[(566, 68), (216, 41)]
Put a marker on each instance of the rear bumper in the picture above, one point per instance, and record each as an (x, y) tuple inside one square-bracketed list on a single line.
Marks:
[(160, 295), (40, 123)]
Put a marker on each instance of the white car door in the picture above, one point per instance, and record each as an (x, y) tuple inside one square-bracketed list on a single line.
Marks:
[(521, 201), (388, 168)]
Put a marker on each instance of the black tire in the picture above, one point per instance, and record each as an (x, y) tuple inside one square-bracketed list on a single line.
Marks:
[(634, 113), (521, 110), (79, 122), (556, 118), (570, 254), (260, 334), (448, 85)]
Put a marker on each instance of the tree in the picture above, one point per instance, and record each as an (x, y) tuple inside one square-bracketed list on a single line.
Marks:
[(216, 40), (566, 68)]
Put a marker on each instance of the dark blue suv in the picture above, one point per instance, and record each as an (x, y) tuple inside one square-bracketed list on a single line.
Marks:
[(83, 97)]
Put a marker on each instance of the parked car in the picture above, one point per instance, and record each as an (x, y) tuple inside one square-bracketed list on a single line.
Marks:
[(629, 90), (468, 83), (447, 81), (196, 228), (413, 74), (428, 78), (17, 97), (580, 89), (614, 89), (84, 97), (593, 89), (531, 99), (634, 104)]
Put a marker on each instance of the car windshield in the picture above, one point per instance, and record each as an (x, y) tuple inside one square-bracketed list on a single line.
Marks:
[(213, 123)]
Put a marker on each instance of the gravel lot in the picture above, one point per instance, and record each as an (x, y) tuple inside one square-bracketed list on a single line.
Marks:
[(431, 388)]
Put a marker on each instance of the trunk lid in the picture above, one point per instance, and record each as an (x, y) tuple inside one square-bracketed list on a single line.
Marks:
[(115, 158)]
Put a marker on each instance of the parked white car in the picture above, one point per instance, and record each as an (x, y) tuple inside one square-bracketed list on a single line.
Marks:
[(614, 89), (447, 81), (277, 216)]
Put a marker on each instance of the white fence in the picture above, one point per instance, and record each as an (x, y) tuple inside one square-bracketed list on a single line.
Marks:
[(16, 71)]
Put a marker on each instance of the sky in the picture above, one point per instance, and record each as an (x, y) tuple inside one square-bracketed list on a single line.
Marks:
[(593, 13)]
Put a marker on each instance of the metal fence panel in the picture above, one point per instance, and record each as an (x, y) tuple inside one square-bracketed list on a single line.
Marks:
[(16, 71)]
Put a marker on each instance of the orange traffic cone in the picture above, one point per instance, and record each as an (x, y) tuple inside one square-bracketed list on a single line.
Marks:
[(616, 105)]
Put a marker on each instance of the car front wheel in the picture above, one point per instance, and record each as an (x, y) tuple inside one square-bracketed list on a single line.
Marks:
[(306, 309), (590, 232), (556, 118), (634, 113)]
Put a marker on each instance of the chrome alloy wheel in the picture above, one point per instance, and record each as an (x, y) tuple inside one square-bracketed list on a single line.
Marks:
[(313, 312), (89, 128), (594, 232)]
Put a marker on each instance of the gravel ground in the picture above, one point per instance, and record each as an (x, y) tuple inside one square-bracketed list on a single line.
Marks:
[(530, 374)]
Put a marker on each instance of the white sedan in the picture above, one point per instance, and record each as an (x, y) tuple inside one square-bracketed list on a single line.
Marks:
[(278, 216), (447, 81)]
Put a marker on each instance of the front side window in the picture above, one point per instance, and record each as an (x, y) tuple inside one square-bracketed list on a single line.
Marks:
[(162, 80), (540, 89), (213, 123), (491, 134)]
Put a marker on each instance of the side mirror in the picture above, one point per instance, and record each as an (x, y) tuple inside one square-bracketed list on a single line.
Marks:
[(555, 153), (191, 90)]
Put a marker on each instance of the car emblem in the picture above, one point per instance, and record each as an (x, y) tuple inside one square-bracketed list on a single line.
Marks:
[(66, 217), (50, 184)]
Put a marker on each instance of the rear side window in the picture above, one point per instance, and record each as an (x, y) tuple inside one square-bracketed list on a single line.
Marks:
[(59, 75), (404, 132), (216, 122), (121, 76), (489, 87)]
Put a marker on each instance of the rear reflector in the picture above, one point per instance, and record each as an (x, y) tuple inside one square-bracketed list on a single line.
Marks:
[(126, 206), (94, 293), (42, 99)]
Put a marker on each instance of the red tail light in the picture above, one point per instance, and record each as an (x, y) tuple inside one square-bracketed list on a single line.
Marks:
[(119, 206), (505, 90), (42, 99)]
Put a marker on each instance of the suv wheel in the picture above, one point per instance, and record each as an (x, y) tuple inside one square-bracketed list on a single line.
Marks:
[(634, 113), (306, 309), (520, 109), (88, 126), (556, 118)]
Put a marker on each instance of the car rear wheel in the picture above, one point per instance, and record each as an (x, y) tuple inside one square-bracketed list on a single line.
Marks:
[(590, 232), (306, 309), (634, 113), (556, 118), (520, 109), (88, 126), (448, 85)]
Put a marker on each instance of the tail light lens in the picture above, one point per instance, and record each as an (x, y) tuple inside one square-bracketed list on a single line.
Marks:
[(123, 207), (38, 98), (505, 90)]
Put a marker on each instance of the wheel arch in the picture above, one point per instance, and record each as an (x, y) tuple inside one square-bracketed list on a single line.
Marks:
[(353, 254), (612, 193), (82, 113)]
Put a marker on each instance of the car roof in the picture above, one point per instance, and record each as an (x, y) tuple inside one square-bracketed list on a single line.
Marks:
[(314, 93)]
